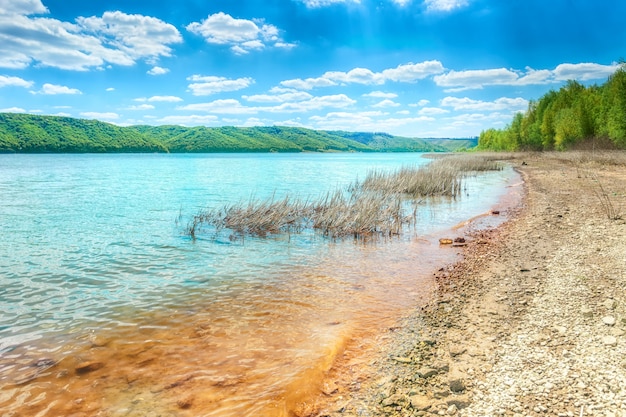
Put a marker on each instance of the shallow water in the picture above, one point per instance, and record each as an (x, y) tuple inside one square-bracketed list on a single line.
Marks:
[(96, 272)]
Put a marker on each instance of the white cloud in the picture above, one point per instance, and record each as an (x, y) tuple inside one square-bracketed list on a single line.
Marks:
[(288, 96), (141, 107), (401, 3), (421, 103), (386, 103), (406, 73), (110, 89), (503, 103), (476, 79), (456, 81), (241, 35), (52, 89), (100, 116), (380, 94), (228, 106), (136, 35), (166, 99), (432, 111), (583, 71), (207, 85), (91, 42), (22, 7), (444, 5), (158, 71), (409, 73), (232, 106), (403, 112), (14, 82), (13, 110)]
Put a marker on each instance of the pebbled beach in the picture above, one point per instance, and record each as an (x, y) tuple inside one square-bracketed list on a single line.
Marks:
[(531, 322)]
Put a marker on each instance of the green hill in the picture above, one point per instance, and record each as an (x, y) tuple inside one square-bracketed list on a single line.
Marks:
[(26, 133)]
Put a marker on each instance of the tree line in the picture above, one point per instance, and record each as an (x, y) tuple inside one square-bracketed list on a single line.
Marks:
[(28, 133), (571, 117)]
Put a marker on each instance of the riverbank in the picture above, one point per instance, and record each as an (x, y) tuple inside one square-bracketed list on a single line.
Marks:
[(530, 323)]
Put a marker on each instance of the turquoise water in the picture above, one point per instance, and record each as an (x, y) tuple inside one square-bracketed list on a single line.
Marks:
[(93, 243)]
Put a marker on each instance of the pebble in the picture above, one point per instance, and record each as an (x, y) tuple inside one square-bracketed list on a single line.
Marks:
[(609, 340), (86, 367), (608, 320)]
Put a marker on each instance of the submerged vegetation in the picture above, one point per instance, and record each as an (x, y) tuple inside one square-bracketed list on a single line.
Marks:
[(573, 117), (379, 206), (27, 133)]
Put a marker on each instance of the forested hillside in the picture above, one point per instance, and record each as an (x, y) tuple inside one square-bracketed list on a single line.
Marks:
[(566, 118), (26, 133)]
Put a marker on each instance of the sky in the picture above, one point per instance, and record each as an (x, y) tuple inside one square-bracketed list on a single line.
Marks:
[(416, 68)]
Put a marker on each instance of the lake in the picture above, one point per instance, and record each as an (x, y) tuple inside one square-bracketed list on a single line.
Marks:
[(107, 305)]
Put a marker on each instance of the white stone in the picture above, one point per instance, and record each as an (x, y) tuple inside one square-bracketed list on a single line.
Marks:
[(608, 320), (609, 340)]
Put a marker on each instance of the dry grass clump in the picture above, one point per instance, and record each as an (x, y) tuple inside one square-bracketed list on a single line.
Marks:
[(359, 214), (442, 177), (374, 207), (255, 218)]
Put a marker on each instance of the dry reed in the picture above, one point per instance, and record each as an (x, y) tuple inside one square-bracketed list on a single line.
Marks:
[(374, 207)]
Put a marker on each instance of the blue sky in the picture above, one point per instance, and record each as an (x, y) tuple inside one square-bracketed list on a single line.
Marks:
[(419, 68)]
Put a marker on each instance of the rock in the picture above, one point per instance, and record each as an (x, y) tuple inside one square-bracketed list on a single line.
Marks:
[(395, 399), (457, 385), (610, 304), (608, 320), (329, 388), (609, 341), (586, 312), (457, 350), (617, 332), (426, 372), (445, 241), (420, 402), (460, 401), (86, 367), (185, 403), (452, 410), (401, 359)]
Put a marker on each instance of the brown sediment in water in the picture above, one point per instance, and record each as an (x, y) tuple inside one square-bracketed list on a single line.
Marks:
[(266, 350)]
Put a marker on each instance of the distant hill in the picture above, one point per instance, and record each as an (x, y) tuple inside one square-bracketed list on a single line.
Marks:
[(26, 133)]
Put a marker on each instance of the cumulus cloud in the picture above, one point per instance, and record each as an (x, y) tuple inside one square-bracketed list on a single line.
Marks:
[(232, 106), (380, 94), (241, 35), (158, 71), (286, 96), (406, 73), (503, 103), (91, 42), (386, 103), (475, 79), (432, 111), (206, 85), (455, 81), (167, 99), (22, 7), (14, 82), (444, 5), (141, 107), (583, 71), (13, 110), (53, 89)]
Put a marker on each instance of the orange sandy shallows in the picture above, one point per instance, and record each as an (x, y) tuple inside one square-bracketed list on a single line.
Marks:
[(257, 351)]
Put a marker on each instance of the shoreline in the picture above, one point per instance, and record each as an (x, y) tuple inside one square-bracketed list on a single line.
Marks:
[(530, 322)]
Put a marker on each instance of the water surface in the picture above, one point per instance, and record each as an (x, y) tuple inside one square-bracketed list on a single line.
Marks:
[(95, 267)]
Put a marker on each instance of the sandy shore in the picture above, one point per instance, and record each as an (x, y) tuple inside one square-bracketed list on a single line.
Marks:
[(530, 323)]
